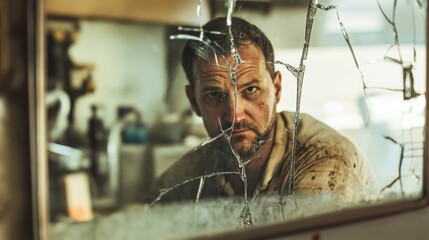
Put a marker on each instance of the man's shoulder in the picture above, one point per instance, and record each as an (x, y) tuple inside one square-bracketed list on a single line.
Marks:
[(327, 159), (194, 163), (311, 128), (318, 136), (194, 160), (307, 123), (184, 173)]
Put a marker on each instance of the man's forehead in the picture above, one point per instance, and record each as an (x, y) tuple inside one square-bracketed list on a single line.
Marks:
[(249, 54)]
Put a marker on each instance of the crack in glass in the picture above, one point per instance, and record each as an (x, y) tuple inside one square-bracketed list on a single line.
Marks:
[(245, 218), (209, 49), (408, 79), (408, 151), (167, 190), (403, 144), (408, 90)]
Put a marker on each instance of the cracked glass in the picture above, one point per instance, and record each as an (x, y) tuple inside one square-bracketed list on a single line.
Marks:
[(272, 111)]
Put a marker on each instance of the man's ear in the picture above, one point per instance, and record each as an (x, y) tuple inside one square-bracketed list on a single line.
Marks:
[(190, 93), (277, 85)]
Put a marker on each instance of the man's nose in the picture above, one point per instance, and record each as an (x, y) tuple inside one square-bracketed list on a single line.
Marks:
[(236, 110)]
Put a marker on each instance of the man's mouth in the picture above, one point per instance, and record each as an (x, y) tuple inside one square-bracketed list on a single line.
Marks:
[(241, 131), (238, 131)]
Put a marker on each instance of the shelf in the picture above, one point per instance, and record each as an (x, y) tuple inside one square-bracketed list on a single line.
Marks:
[(183, 12)]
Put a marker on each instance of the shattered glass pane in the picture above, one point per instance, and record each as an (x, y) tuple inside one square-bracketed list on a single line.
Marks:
[(298, 72), (252, 151)]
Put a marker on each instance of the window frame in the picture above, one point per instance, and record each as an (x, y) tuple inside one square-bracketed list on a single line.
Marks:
[(39, 159)]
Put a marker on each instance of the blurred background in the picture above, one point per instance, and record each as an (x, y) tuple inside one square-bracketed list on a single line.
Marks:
[(118, 115)]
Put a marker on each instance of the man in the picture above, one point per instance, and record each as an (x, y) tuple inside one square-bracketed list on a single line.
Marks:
[(235, 90)]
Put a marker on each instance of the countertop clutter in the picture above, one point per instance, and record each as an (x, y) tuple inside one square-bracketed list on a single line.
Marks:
[(113, 167)]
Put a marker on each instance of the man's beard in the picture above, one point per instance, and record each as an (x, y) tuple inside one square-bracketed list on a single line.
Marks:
[(226, 145)]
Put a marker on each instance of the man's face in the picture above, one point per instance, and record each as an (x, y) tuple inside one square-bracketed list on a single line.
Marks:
[(212, 98)]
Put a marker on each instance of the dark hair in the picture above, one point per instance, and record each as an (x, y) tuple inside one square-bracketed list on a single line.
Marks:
[(243, 33)]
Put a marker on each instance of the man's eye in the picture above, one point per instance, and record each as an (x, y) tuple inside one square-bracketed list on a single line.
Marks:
[(251, 89), (214, 95)]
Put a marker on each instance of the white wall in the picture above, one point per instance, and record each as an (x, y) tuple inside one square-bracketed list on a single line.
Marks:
[(130, 68)]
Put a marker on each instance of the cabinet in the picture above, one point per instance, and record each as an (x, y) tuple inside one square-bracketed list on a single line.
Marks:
[(183, 12)]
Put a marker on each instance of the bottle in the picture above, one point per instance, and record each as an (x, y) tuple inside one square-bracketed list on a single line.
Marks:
[(136, 132), (96, 132), (97, 147)]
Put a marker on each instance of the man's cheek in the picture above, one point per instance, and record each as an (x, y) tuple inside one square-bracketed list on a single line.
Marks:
[(212, 126), (261, 107)]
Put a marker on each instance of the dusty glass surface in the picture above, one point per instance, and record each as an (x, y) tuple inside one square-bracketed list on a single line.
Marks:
[(134, 153)]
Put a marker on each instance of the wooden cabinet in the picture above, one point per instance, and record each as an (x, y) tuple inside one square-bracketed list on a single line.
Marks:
[(182, 12)]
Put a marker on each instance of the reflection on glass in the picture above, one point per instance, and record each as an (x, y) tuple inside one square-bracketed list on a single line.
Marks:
[(317, 114)]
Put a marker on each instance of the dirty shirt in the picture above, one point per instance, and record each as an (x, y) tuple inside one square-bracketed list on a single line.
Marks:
[(326, 162)]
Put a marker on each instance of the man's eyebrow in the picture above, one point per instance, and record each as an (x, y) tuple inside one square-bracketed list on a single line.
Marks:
[(249, 83), (211, 84), (212, 80), (210, 88)]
